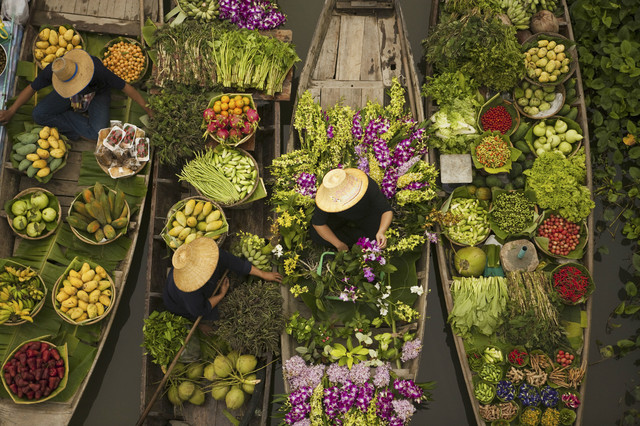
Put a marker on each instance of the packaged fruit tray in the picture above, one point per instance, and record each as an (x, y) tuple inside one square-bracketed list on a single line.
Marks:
[(22, 293), (126, 58), (119, 158), (231, 119), (35, 371), (39, 152), (84, 293), (192, 218), (53, 41), (34, 213), (99, 215)]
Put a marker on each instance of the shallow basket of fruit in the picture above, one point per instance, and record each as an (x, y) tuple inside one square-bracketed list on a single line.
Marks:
[(84, 293), (493, 153), (550, 59), (35, 371), (200, 10), (472, 226), (99, 215), (126, 58), (192, 218), (39, 152), (34, 213), (513, 213), (22, 293), (557, 237), (554, 134), (53, 41), (231, 119), (572, 283), (498, 115), (538, 102)]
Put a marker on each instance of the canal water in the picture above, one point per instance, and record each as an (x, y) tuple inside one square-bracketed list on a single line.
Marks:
[(113, 394)]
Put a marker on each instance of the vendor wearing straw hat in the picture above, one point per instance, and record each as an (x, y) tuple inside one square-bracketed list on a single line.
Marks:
[(197, 268), (79, 104), (349, 205)]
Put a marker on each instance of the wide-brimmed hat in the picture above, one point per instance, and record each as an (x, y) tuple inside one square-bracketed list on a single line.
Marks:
[(72, 72), (341, 189), (194, 263)]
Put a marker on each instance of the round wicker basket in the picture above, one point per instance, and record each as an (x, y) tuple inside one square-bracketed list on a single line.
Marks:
[(29, 191)]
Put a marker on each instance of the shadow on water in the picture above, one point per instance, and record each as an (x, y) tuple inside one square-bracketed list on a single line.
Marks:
[(112, 396)]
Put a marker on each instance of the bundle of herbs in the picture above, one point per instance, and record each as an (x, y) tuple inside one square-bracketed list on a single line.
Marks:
[(172, 132), (532, 318), (478, 45), (251, 318), (164, 334)]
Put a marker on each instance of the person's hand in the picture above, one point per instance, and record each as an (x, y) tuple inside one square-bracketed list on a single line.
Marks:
[(5, 116), (342, 246), (381, 239), (271, 276), (149, 111), (224, 287)]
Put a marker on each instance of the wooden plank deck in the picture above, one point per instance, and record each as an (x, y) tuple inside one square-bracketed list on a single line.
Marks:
[(120, 17)]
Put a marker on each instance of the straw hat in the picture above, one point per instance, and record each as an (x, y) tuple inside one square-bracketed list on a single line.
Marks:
[(194, 263), (341, 189), (72, 72)]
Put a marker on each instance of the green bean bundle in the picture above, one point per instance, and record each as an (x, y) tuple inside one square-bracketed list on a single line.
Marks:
[(208, 179)]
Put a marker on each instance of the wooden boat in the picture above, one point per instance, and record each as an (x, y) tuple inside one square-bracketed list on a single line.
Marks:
[(444, 255), (356, 50)]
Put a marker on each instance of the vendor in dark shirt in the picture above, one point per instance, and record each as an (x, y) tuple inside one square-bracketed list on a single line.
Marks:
[(79, 104), (197, 268), (349, 205)]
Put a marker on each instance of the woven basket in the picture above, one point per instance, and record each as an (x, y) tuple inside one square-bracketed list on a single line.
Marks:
[(76, 264), (39, 305), (62, 350), (571, 52), (145, 68), (245, 138), (559, 90), (178, 206), (28, 191), (85, 236), (52, 27)]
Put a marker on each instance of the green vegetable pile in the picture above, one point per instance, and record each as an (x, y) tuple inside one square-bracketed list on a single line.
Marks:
[(164, 334), (558, 185), (512, 211), (478, 304), (481, 47)]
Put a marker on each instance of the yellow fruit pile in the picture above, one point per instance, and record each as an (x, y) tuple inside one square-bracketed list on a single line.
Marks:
[(43, 156), (84, 293), (126, 60), (195, 219), (53, 44)]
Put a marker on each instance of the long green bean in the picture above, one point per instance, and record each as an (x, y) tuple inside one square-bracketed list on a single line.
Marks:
[(202, 173)]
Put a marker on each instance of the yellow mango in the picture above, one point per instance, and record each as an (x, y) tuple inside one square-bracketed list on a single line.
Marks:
[(51, 50), (75, 281), (92, 310), (83, 295), (213, 226), (95, 296), (44, 35), (44, 63), (56, 153), (100, 308), (32, 157), (89, 275), (43, 172), (75, 40), (39, 54), (69, 289), (103, 285), (68, 35), (82, 304), (74, 273), (89, 286), (85, 268), (53, 38), (70, 302), (42, 44), (42, 153), (44, 144), (40, 164), (61, 51), (69, 47), (63, 43), (106, 292), (78, 47), (100, 271), (82, 317), (44, 132), (62, 296), (105, 300), (48, 59), (62, 29), (75, 313), (63, 309)]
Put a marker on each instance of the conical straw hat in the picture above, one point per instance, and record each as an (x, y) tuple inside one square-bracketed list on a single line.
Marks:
[(341, 189), (72, 72), (194, 263)]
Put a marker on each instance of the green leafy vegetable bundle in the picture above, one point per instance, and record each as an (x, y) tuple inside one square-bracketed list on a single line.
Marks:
[(557, 182), (478, 302), (164, 335)]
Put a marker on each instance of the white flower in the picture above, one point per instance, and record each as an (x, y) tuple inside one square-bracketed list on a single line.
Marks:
[(374, 362), (373, 353), (417, 289), (384, 296), (277, 251), (377, 286), (383, 312)]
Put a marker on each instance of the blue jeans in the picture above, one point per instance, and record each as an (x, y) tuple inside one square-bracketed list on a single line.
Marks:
[(56, 111)]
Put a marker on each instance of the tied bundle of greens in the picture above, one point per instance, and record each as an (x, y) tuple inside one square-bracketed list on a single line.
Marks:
[(208, 179), (478, 304), (164, 334)]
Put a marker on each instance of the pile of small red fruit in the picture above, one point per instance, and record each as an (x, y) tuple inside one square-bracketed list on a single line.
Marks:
[(563, 235), (34, 371), (564, 358), (496, 119)]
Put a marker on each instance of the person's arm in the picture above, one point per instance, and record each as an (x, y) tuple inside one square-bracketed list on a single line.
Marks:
[(267, 276), (131, 92), (385, 222), (327, 234), (23, 97), (216, 298)]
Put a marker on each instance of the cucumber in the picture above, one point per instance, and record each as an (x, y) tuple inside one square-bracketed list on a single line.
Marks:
[(522, 130), (522, 146), (564, 110), (573, 114)]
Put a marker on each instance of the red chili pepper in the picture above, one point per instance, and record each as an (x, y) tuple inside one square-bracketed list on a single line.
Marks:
[(496, 119), (570, 283)]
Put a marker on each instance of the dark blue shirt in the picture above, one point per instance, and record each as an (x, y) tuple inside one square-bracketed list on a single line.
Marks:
[(103, 79), (195, 303)]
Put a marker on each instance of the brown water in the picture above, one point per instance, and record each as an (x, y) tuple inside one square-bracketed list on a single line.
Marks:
[(113, 394)]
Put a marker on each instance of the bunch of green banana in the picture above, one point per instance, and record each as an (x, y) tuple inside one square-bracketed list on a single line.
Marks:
[(202, 10), (538, 5), (255, 249), (519, 12), (20, 292)]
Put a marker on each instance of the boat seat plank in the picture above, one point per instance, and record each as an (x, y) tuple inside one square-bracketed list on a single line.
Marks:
[(88, 23), (329, 97), (350, 47), (364, 4), (346, 84), (370, 62), (327, 57), (391, 50), (373, 95)]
